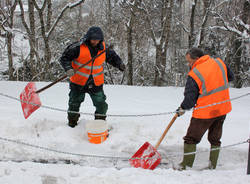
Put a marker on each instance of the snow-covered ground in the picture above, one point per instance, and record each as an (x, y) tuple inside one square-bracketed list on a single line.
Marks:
[(48, 128), (20, 50)]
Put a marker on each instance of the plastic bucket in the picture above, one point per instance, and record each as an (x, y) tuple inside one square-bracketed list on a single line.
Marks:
[(97, 131)]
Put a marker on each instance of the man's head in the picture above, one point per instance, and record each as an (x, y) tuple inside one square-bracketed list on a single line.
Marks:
[(94, 43), (193, 54), (94, 35)]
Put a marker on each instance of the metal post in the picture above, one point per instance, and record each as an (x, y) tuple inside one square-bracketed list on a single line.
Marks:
[(248, 165)]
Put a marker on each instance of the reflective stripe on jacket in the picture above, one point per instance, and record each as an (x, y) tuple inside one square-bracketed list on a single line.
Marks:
[(94, 68), (211, 77)]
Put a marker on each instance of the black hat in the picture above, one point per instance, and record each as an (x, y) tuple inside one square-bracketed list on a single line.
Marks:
[(95, 33)]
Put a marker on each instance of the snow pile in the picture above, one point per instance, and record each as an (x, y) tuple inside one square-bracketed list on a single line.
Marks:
[(48, 128)]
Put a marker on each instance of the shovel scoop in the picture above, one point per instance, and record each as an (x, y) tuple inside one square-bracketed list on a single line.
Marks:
[(147, 157), (30, 100), (29, 97)]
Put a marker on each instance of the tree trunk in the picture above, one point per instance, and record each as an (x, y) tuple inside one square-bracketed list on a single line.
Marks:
[(169, 5), (191, 36), (205, 18), (47, 58), (237, 48), (49, 15), (158, 65), (79, 19), (32, 40), (109, 15), (239, 45), (10, 57), (130, 49), (9, 35), (161, 49), (130, 57)]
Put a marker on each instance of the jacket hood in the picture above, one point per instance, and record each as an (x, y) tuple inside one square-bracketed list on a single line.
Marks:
[(94, 33)]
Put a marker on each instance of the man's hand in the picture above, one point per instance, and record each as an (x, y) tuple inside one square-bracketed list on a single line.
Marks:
[(122, 67), (70, 72), (180, 111)]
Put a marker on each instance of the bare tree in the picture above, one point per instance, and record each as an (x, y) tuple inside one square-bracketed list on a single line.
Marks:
[(152, 36), (40, 68), (6, 24), (159, 28), (237, 24), (191, 36), (129, 23), (201, 30), (130, 27), (80, 18)]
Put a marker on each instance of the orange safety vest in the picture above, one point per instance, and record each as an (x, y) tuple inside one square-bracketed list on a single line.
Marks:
[(211, 77), (94, 68)]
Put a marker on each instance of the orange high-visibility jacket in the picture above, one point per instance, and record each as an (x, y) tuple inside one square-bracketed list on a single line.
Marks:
[(211, 77), (93, 68)]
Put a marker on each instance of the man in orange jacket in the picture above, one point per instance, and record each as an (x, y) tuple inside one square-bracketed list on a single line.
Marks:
[(90, 78), (207, 84)]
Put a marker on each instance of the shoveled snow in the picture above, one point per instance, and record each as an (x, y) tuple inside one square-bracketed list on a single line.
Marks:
[(48, 128)]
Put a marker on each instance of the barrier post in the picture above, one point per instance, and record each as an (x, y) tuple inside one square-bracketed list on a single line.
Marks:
[(248, 165)]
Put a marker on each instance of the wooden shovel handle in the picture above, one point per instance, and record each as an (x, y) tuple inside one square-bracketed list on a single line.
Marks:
[(166, 130), (65, 76), (51, 84)]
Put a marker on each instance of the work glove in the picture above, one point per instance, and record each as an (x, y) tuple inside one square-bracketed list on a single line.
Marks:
[(70, 72), (122, 67), (180, 111)]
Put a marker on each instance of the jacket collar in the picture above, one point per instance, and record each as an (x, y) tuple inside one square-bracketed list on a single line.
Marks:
[(200, 60), (98, 47)]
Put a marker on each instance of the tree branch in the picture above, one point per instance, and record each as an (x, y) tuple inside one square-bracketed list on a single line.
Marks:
[(68, 6), (144, 9), (23, 18)]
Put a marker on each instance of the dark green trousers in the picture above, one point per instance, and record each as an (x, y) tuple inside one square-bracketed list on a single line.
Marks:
[(76, 97)]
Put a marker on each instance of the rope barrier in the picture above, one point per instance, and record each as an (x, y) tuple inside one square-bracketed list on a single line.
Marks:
[(58, 151), (112, 157), (213, 149), (232, 99), (117, 157), (116, 115)]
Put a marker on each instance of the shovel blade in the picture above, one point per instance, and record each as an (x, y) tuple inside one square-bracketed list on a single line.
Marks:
[(147, 157), (30, 100)]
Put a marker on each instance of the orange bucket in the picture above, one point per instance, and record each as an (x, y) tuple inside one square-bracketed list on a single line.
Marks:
[(97, 131)]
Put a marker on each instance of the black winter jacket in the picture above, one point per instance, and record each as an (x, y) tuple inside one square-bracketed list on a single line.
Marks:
[(73, 50), (191, 92)]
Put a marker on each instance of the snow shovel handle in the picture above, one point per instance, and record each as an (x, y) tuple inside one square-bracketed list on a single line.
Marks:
[(65, 76), (166, 130)]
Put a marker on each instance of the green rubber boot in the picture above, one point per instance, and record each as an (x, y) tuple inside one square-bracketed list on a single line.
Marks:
[(213, 157), (73, 120), (188, 160)]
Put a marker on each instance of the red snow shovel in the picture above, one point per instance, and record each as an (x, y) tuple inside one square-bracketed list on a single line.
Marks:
[(147, 157), (29, 98)]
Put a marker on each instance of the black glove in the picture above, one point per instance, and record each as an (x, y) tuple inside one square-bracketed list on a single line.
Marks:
[(180, 111), (70, 72), (122, 67)]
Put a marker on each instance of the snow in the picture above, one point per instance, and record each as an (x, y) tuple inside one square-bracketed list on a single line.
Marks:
[(25, 8), (20, 48), (85, 14), (75, 3), (48, 128), (158, 40)]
